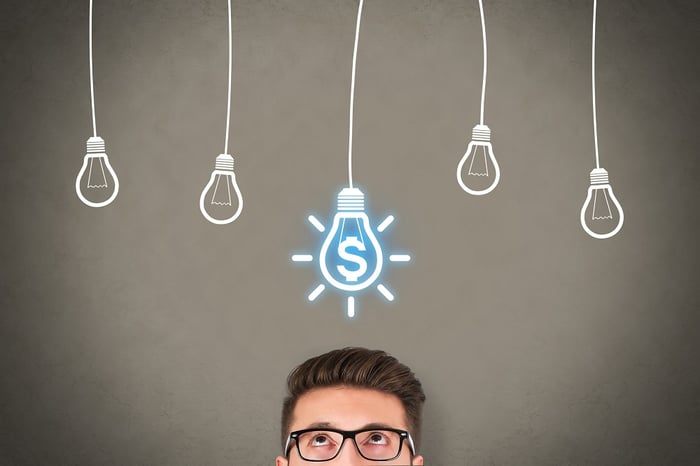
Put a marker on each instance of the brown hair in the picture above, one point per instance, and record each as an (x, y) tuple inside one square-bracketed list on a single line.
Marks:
[(356, 367)]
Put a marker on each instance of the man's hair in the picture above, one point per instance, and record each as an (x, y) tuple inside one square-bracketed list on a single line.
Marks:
[(356, 367)]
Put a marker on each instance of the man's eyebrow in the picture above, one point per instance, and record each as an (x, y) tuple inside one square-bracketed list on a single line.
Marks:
[(319, 424), (372, 425), (377, 425)]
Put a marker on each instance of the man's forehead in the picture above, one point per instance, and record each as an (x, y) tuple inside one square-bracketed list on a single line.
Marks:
[(348, 408)]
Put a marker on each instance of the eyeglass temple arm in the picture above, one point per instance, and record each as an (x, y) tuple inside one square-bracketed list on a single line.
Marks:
[(411, 444)]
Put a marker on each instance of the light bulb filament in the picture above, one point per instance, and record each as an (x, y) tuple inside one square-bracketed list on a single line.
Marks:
[(483, 169), (220, 199), (606, 212), (102, 182)]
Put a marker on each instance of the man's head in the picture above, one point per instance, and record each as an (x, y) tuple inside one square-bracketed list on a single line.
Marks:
[(349, 390)]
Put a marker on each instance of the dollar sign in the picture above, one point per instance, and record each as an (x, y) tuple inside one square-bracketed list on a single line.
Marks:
[(352, 275)]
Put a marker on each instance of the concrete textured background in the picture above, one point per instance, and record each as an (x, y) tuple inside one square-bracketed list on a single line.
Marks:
[(140, 334)]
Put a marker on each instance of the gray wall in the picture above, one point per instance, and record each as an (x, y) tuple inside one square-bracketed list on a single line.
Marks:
[(141, 334)]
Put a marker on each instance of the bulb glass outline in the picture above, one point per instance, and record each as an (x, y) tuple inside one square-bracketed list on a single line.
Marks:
[(601, 186), (96, 160), (481, 139), (223, 171)]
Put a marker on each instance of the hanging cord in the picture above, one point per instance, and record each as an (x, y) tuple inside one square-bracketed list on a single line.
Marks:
[(595, 117), (228, 109), (483, 84), (92, 79), (352, 91)]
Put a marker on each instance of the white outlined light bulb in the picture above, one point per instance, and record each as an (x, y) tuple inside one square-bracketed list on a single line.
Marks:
[(97, 184), (351, 240), (478, 172), (601, 214), (221, 201)]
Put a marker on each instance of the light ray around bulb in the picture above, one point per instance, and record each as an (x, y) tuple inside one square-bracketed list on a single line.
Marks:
[(316, 223), (385, 292), (317, 292), (350, 309), (385, 223)]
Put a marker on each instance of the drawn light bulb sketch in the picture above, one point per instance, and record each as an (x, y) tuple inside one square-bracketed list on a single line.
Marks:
[(601, 215), (478, 172), (221, 201), (96, 184)]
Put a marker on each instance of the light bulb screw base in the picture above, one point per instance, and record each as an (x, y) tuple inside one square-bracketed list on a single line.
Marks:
[(481, 133), (599, 176), (224, 162), (95, 145), (351, 200)]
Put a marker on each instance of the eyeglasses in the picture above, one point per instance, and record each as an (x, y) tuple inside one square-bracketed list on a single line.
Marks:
[(382, 444)]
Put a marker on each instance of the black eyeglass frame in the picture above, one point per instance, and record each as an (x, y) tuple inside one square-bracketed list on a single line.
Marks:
[(348, 434)]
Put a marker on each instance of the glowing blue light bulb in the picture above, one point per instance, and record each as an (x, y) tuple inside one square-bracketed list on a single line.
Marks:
[(351, 257)]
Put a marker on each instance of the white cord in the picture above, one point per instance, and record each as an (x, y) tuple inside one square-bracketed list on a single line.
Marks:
[(483, 84), (352, 91), (228, 109), (595, 117), (92, 85)]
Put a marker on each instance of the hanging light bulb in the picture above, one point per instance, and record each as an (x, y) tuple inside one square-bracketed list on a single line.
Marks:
[(601, 215), (96, 184), (351, 257), (221, 201), (217, 202), (478, 172)]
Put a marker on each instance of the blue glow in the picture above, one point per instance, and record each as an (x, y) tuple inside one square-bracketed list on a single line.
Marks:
[(351, 257)]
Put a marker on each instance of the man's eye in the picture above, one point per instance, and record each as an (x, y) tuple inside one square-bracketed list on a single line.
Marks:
[(377, 438), (320, 440)]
